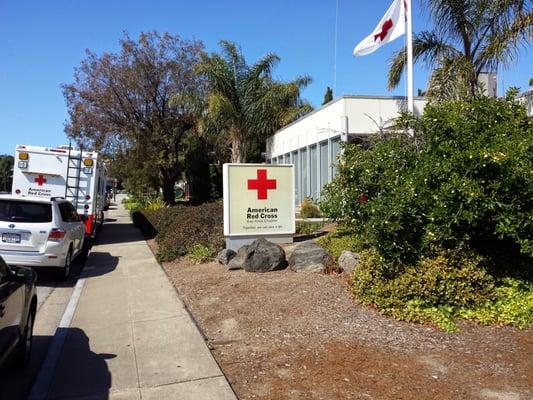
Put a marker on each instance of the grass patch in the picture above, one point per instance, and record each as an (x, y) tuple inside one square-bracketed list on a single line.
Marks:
[(341, 239)]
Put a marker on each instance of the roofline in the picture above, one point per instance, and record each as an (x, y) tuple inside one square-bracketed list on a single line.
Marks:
[(347, 96)]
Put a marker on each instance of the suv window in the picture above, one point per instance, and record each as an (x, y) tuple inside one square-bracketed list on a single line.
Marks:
[(68, 212), (74, 217), (64, 211), (24, 211)]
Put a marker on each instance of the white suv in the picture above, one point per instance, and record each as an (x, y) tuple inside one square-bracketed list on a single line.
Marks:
[(40, 232)]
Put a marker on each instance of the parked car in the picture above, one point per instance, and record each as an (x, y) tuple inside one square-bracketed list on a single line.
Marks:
[(40, 233), (18, 305)]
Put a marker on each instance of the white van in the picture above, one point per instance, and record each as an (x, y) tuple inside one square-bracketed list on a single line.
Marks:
[(76, 175)]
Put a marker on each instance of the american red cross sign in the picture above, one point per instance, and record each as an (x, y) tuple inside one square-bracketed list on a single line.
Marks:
[(262, 184), (258, 201), (40, 180)]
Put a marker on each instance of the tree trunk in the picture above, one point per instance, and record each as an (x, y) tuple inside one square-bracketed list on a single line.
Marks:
[(168, 180), (237, 150)]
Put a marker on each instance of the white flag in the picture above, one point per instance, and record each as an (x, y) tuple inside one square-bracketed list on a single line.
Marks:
[(391, 26)]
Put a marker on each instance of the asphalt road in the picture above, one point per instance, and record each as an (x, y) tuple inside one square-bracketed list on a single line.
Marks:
[(52, 295)]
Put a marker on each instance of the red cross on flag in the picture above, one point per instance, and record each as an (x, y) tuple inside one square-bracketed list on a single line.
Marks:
[(391, 26)]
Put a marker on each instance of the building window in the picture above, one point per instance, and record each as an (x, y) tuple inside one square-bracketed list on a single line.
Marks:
[(324, 163), (304, 173), (335, 151), (313, 171), (296, 163)]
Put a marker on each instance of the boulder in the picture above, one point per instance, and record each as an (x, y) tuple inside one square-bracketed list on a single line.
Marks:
[(225, 256), (348, 261), (237, 262), (309, 257), (264, 256)]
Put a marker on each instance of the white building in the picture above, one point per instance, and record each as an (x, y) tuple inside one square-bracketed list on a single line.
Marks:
[(312, 143), (527, 99)]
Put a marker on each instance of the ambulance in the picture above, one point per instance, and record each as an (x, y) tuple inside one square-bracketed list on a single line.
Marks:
[(73, 174)]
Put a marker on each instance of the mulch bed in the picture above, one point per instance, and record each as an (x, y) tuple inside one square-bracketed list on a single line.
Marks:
[(286, 335)]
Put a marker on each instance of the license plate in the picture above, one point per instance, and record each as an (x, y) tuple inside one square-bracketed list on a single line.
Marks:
[(10, 238)]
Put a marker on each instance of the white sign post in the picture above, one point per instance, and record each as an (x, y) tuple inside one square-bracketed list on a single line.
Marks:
[(258, 202)]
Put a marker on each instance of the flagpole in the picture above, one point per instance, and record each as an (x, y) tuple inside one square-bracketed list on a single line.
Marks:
[(410, 100)]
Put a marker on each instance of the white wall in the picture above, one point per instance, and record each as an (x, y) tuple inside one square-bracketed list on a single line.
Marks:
[(364, 115), (527, 99)]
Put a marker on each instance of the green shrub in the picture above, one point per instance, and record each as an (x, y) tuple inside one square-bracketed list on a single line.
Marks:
[(338, 241), (179, 229), (465, 181), (308, 209), (155, 204), (200, 253), (513, 305), (444, 289)]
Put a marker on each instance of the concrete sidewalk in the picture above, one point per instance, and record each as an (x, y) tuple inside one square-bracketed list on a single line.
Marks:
[(130, 336)]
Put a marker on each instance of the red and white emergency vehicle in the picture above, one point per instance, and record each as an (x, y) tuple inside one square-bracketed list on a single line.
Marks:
[(76, 175)]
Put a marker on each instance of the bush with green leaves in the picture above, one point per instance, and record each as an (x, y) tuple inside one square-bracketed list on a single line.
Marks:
[(447, 216), (467, 179), (200, 253), (181, 229), (308, 209)]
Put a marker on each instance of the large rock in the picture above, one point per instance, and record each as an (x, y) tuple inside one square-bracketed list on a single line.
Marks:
[(309, 257), (348, 261), (264, 256), (225, 256), (237, 262)]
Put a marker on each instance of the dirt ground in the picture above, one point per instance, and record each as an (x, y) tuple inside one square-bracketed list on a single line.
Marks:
[(287, 335)]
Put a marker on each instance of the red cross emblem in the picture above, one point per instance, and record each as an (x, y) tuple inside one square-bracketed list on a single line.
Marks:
[(262, 184), (40, 180), (387, 25)]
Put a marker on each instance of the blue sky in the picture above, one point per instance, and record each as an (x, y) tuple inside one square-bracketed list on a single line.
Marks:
[(42, 41)]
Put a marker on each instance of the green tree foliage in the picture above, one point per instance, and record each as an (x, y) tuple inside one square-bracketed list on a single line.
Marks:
[(6, 173), (465, 182), (530, 81), (469, 37), (246, 104), (443, 221), (328, 96), (140, 102)]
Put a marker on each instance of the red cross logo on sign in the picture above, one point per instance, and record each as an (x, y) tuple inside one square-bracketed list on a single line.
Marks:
[(262, 184), (40, 180)]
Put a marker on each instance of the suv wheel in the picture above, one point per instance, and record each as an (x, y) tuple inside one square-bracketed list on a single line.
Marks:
[(23, 351), (65, 271)]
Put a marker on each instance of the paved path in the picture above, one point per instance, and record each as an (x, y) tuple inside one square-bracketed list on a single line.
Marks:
[(130, 336)]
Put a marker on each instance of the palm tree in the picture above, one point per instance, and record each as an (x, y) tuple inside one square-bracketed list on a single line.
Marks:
[(246, 104), (469, 37)]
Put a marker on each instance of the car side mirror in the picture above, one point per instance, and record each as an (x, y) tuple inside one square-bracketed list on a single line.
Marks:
[(23, 274)]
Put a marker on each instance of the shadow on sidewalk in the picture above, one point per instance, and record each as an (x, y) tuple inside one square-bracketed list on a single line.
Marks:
[(100, 263), (80, 371), (115, 233)]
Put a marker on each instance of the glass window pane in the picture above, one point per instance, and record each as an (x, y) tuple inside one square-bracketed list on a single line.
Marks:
[(313, 169), (296, 163), (335, 151), (323, 164), (303, 162)]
